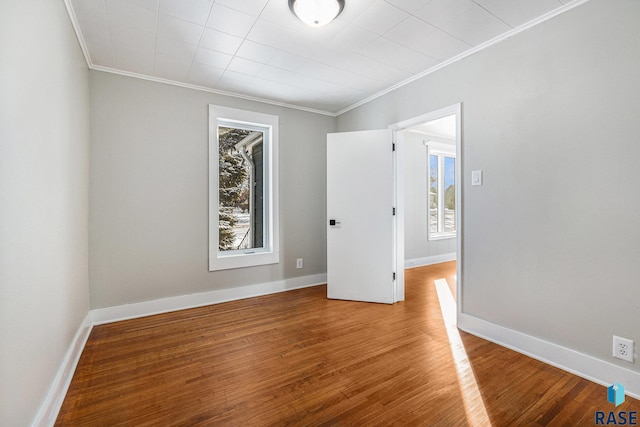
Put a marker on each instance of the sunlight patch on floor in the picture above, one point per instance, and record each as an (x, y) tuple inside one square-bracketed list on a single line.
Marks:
[(471, 398)]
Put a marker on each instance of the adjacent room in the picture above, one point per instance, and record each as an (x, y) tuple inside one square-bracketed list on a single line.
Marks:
[(184, 239)]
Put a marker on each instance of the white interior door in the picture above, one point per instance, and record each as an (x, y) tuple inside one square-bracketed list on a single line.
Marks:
[(360, 199)]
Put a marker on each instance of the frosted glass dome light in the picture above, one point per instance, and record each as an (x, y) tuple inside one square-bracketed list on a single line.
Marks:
[(316, 13)]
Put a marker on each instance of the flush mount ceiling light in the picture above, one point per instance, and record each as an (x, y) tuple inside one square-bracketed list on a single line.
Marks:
[(316, 13)]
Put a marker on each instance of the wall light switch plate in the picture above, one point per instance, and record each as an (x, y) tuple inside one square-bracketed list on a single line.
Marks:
[(476, 177)]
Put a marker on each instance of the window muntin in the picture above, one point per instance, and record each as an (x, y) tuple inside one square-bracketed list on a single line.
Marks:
[(243, 214), (441, 197)]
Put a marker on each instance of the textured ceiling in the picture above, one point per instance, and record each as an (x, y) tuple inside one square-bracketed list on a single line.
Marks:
[(258, 49)]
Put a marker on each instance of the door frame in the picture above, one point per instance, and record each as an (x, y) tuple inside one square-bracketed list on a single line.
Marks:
[(398, 139)]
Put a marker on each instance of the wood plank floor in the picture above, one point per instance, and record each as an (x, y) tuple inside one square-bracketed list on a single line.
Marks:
[(299, 359)]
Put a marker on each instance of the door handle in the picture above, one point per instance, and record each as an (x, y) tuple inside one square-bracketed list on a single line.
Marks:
[(333, 222)]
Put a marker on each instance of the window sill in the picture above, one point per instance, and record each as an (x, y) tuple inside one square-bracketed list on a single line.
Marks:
[(242, 260), (441, 236)]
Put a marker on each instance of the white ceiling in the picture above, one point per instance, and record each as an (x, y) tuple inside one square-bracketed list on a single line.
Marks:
[(258, 49), (444, 127)]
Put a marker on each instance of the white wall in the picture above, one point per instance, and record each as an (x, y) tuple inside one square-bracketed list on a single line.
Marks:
[(418, 248), (550, 241), (149, 192), (44, 139)]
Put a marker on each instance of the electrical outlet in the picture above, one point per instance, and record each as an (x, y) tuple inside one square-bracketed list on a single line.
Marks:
[(299, 263), (623, 348)]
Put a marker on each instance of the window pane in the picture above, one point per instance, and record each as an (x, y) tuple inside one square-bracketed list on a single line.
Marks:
[(449, 194), (241, 204), (433, 194)]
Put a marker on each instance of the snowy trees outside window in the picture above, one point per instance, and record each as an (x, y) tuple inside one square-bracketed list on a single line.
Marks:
[(233, 195)]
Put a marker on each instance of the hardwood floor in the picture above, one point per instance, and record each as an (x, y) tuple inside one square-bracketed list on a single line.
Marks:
[(296, 358)]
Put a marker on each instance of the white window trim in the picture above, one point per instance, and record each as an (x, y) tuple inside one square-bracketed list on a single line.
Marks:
[(441, 150), (249, 257)]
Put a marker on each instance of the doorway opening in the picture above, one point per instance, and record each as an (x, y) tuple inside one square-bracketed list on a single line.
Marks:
[(428, 191)]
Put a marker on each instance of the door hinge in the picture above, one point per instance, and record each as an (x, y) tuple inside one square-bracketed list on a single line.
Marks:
[(393, 146), (394, 211), (394, 276)]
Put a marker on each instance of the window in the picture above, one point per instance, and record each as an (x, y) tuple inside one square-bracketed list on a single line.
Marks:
[(442, 194), (243, 197)]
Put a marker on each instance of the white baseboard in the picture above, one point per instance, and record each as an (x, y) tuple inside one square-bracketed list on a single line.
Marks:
[(165, 305), (434, 259), (585, 366), (49, 409), (580, 364)]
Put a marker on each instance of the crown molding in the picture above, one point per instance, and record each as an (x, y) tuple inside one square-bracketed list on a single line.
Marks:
[(469, 52), (210, 90), (76, 29), (571, 5)]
